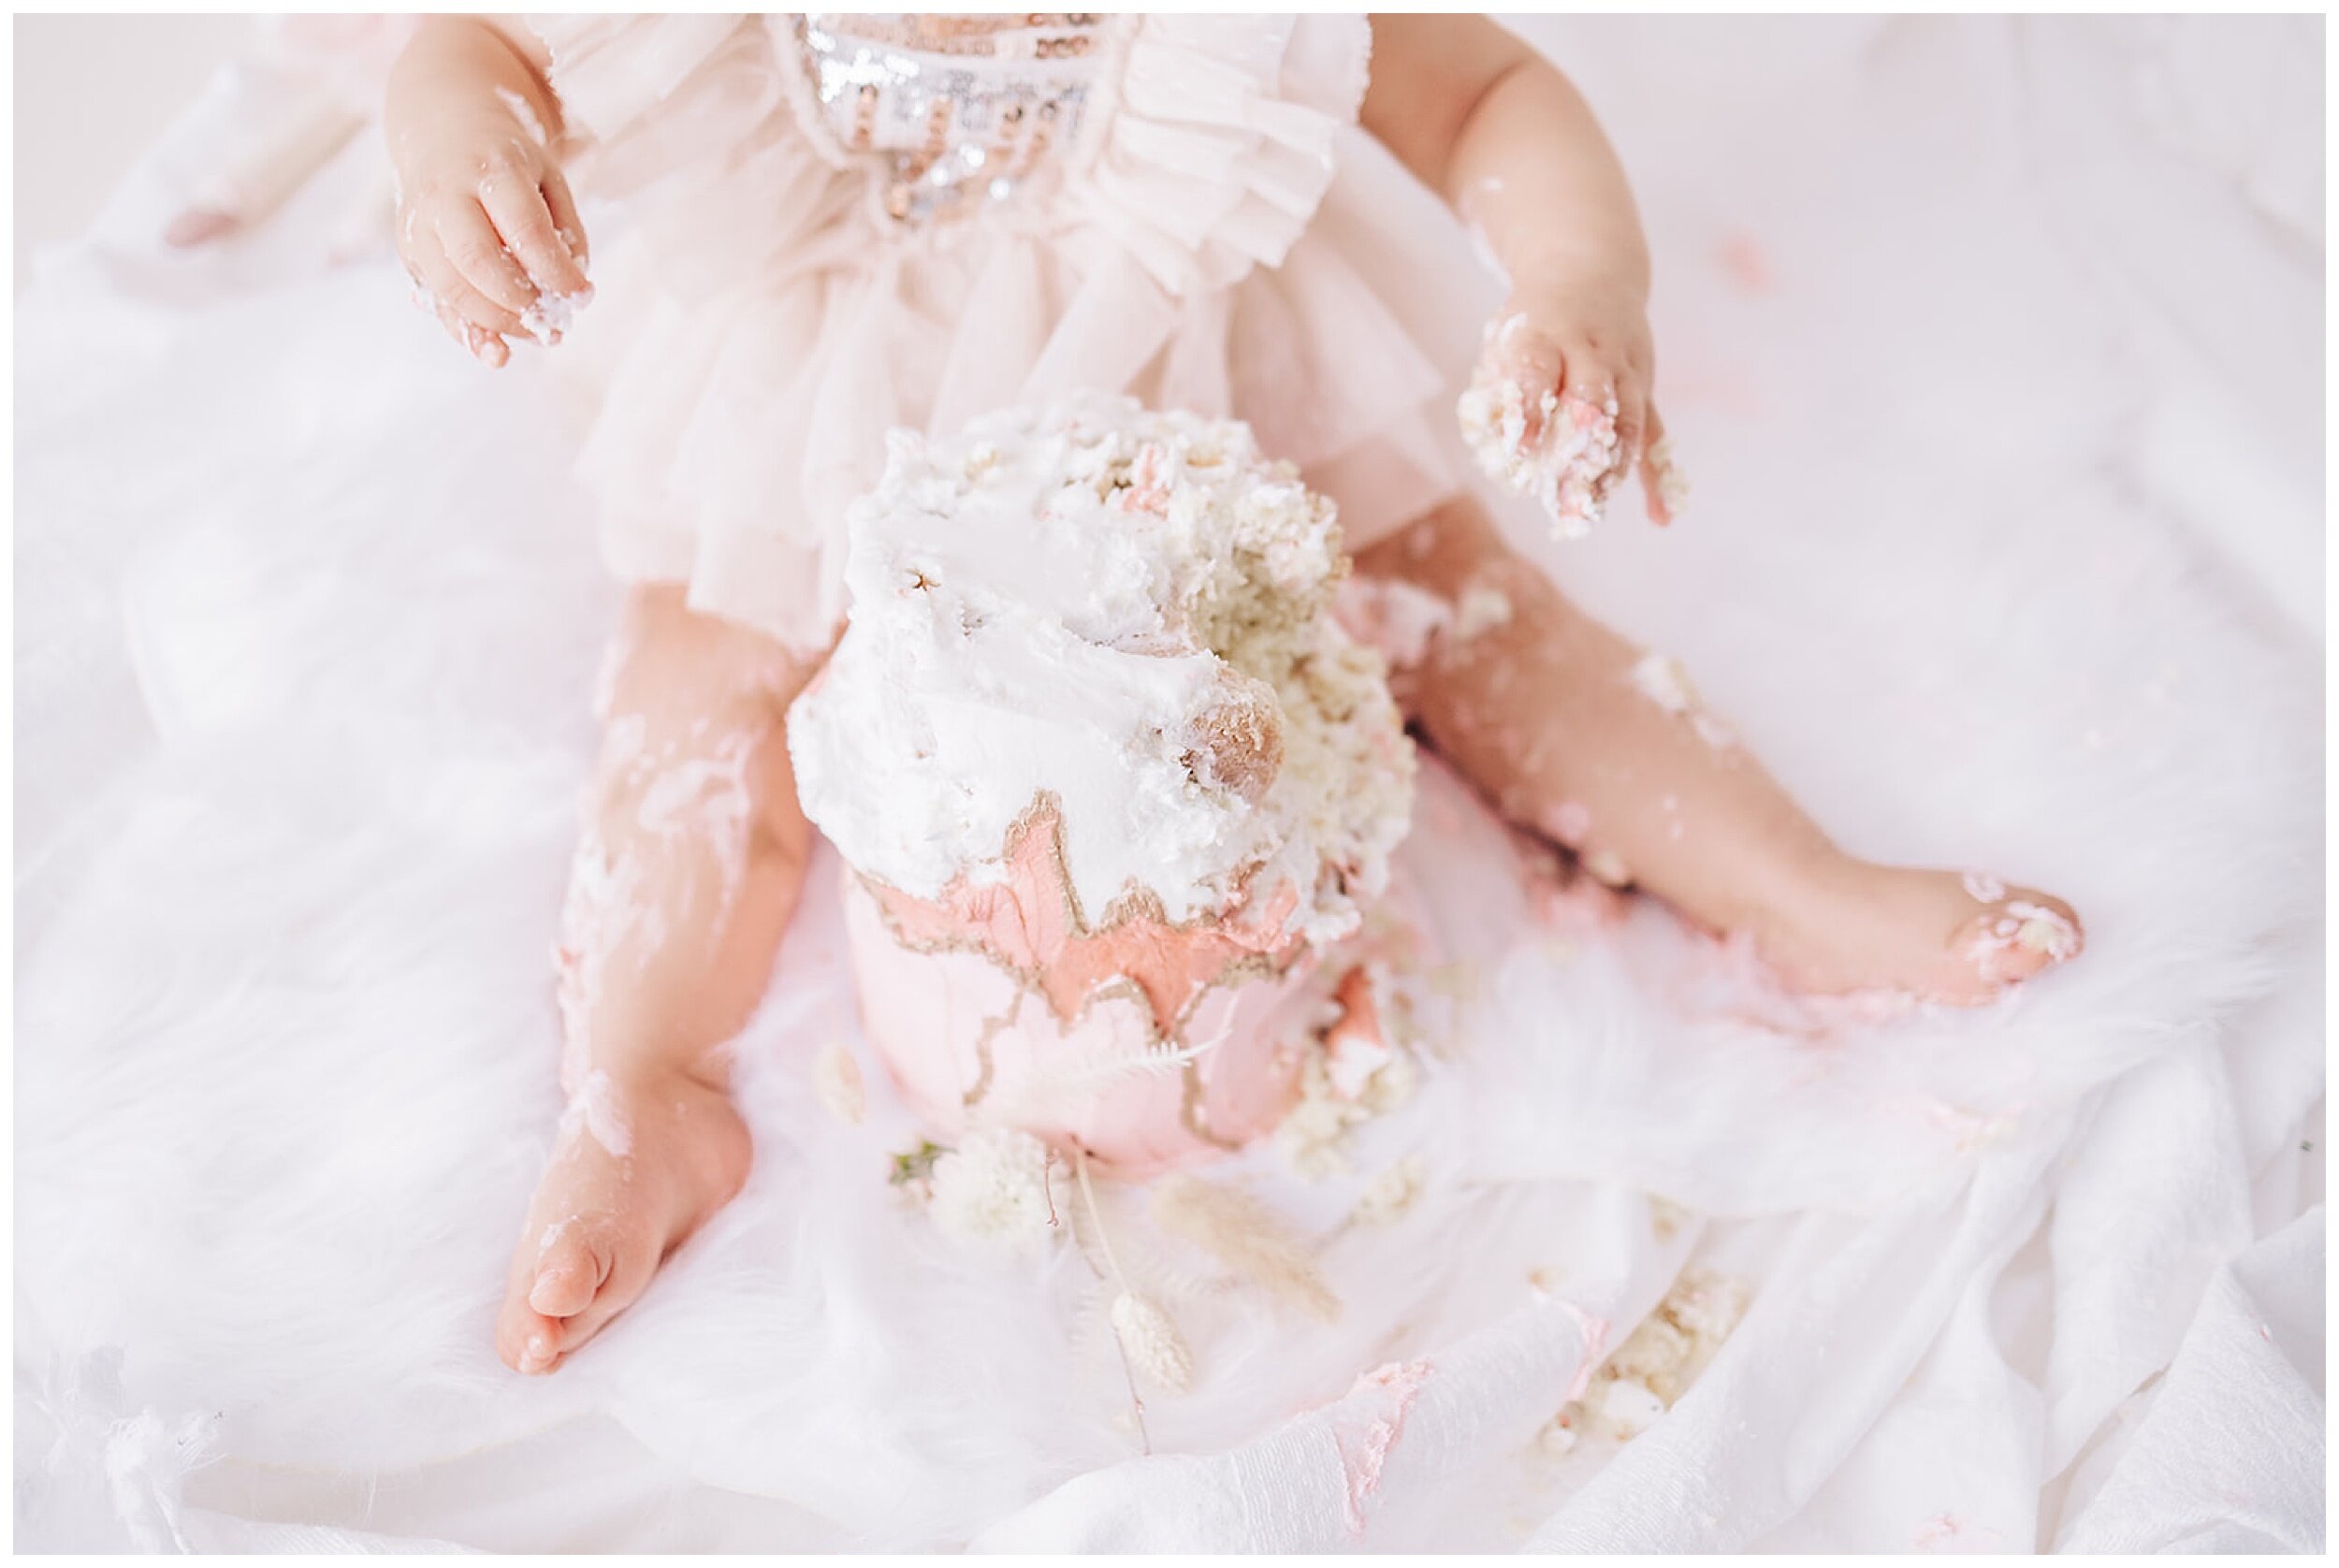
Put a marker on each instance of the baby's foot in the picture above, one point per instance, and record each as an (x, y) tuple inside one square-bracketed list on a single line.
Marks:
[(1962, 939), (638, 1167)]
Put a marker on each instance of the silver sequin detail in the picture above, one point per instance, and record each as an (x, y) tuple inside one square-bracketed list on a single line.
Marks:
[(953, 111)]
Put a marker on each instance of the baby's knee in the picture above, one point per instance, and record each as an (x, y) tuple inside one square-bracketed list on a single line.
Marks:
[(668, 658)]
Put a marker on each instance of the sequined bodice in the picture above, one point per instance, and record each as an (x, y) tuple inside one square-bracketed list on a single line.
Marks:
[(955, 110)]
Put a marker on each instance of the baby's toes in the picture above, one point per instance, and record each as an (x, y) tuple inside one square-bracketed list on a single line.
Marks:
[(2018, 933), (200, 225), (555, 1268), (570, 1265), (632, 1265), (526, 1338)]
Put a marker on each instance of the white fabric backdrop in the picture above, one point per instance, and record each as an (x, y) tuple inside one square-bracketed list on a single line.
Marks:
[(1992, 348)]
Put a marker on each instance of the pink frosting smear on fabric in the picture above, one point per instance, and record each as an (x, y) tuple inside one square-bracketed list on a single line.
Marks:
[(1594, 1333), (1365, 1445)]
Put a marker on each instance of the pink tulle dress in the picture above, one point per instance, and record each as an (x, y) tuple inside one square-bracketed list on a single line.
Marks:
[(834, 225)]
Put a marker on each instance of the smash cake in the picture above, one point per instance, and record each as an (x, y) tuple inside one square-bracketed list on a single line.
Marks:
[(1106, 778)]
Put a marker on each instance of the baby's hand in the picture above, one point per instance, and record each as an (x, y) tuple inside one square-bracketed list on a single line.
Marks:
[(1562, 408), (486, 226)]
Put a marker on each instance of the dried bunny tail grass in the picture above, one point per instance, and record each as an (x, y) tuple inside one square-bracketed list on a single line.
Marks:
[(1150, 1344), (1150, 1338), (836, 1083), (1154, 1269), (1247, 1237)]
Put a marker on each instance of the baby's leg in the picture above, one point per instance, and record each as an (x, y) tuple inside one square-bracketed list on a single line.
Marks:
[(1562, 722), (692, 856)]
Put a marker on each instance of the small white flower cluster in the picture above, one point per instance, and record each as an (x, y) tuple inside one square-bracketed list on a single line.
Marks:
[(997, 1190), (994, 1190)]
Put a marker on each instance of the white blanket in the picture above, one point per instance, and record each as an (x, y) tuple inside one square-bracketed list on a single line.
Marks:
[(2001, 553)]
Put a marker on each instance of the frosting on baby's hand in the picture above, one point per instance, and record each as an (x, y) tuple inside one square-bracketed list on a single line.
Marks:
[(1563, 451), (1558, 410), (553, 315)]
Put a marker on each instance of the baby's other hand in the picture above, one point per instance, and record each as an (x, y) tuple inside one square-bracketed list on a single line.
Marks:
[(488, 228), (1579, 353)]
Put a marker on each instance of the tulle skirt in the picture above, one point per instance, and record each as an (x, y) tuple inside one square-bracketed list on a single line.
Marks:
[(746, 376), (1204, 239)]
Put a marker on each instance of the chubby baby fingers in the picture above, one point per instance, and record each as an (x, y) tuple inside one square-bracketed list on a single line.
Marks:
[(472, 244), (1662, 484), (1588, 374), (524, 220), (1632, 421), (1517, 355), (449, 289), (481, 344), (563, 205), (1598, 395)]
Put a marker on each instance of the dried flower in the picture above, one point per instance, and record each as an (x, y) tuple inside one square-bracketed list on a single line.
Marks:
[(913, 1168), (1247, 1237), (836, 1083), (1150, 1338), (993, 1190)]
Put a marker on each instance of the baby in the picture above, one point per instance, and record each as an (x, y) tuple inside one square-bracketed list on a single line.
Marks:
[(843, 224)]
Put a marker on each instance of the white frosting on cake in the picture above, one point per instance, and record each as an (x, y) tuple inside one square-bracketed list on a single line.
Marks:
[(1125, 611)]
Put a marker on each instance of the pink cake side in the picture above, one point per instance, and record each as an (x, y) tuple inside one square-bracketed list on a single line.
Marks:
[(962, 1037), (1148, 1044)]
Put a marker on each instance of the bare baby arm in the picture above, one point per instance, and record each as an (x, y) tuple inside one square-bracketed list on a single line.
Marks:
[(486, 226), (1484, 120)]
